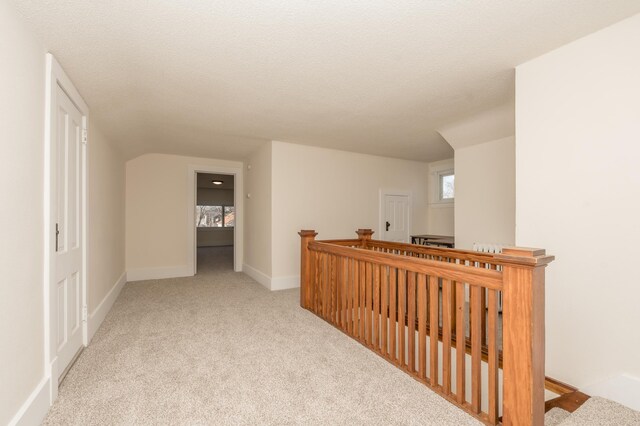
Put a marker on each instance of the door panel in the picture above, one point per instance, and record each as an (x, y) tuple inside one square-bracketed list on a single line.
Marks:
[(396, 211), (68, 217)]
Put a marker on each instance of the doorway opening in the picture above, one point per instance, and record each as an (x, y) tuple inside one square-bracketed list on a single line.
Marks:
[(215, 221)]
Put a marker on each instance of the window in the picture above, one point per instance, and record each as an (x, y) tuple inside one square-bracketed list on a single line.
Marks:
[(215, 216), (446, 186)]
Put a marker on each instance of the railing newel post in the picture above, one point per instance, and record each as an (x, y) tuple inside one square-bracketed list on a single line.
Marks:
[(523, 336), (306, 280), (364, 235)]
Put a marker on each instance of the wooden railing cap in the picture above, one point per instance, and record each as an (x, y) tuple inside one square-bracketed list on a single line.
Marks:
[(307, 233), (365, 232), (529, 255)]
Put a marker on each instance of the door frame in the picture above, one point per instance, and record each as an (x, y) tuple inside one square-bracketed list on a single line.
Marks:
[(56, 77), (381, 224), (192, 188)]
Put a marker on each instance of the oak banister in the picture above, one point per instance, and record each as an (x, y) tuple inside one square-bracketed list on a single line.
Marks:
[(306, 236), (364, 235), (485, 277), (382, 293), (523, 336)]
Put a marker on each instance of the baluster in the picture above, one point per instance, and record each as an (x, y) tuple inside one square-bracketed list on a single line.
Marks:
[(384, 309), (411, 318), (375, 340), (393, 317), (433, 289), (318, 283), (492, 348), (446, 336), (422, 325), (476, 347), (355, 331), (402, 303), (369, 303), (334, 288), (362, 300), (461, 349)]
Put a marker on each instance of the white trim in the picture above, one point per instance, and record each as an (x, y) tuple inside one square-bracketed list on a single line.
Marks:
[(56, 77), (142, 274), (272, 283), (35, 408), (238, 191), (257, 275), (381, 222), (435, 170), (99, 314), (623, 389), (285, 283)]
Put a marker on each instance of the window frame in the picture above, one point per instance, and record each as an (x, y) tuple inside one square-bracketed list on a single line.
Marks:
[(441, 176), (209, 228)]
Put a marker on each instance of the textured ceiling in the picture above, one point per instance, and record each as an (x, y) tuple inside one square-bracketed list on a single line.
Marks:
[(218, 78)]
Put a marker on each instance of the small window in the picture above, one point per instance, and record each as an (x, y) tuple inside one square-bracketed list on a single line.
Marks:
[(447, 186), (215, 216)]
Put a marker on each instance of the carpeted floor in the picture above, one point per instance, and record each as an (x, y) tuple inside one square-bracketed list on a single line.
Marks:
[(219, 348)]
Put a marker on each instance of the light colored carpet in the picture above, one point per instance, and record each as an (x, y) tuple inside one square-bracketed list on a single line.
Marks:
[(555, 416), (602, 412), (218, 348)]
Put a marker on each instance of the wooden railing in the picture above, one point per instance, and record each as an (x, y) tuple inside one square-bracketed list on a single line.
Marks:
[(423, 309)]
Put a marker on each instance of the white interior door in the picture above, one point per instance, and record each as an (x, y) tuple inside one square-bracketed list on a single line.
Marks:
[(395, 223), (67, 289)]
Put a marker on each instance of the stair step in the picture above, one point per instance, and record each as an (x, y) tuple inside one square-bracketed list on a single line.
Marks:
[(555, 416), (601, 412)]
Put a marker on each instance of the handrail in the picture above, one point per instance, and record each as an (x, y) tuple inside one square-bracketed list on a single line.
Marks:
[(398, 298), (468, 255), (482, 277)]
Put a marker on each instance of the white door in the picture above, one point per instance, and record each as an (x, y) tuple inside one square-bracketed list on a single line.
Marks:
[(67, 292), (396, 218)]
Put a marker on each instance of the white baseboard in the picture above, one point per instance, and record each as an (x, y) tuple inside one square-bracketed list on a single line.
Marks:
[(35, 408), (285, 283), (141, 274), (100, 313), (271, 283), (623, 389), (257, 275)]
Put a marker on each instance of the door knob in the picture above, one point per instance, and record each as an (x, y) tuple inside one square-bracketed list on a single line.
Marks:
[(388, 225)]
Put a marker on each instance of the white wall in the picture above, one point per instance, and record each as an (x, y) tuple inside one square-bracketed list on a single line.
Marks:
[(440, 215), (578, 196), (335, 193), (24, 393), (106, 257), (485, 193), (156, 213), (258, 213), (21, 216)]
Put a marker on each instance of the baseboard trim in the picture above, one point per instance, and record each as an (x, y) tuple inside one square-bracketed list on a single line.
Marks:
[(623, 389), (271, 283), (141, 274), (285, 283), (257, 275), (100, 313), (35, 408)]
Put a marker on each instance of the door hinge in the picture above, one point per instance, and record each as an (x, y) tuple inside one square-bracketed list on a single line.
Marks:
[(84, 313), (84, 136)]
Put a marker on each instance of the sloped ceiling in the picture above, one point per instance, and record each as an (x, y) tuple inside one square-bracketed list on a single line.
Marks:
[(218, 78)]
